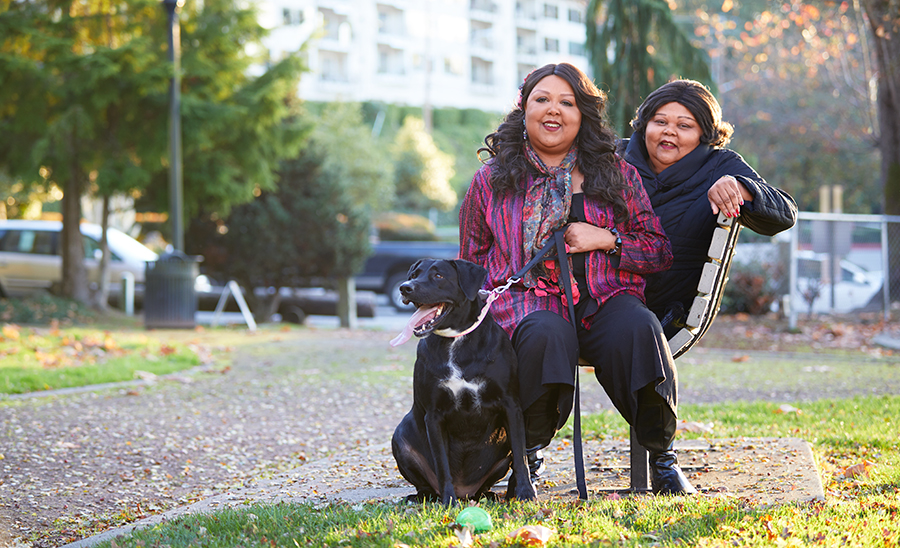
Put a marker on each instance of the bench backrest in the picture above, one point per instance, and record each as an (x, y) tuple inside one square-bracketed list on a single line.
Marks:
[(711, 287)]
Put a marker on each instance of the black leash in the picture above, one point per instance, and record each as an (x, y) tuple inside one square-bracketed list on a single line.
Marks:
[(560, 243), (576, 425)]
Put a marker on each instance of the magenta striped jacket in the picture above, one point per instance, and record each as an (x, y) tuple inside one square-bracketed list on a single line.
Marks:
[(490, 229)]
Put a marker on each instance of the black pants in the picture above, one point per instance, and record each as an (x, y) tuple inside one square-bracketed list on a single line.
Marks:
[(625, 344)]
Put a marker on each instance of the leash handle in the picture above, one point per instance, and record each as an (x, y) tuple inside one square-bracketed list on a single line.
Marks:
[(580, 481), (538, 256)]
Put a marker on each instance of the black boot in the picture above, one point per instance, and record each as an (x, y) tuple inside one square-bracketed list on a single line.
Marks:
[(666, 478), (655, 430)]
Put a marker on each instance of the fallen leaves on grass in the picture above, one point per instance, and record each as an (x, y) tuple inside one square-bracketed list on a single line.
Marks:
[(54, 349), (786, 408), (11, 332), (464, 534), (858, 469), (532, 535), (693, 426)]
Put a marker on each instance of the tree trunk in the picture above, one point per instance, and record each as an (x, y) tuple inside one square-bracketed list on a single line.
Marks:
[(263, 305), (346, 306), (74, 274), (101, 298), (884, 16)]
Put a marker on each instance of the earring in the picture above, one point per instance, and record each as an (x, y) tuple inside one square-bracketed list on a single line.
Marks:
[(524, 131)]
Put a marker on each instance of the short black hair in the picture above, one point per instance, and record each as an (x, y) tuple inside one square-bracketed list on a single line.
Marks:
[(693, 96)]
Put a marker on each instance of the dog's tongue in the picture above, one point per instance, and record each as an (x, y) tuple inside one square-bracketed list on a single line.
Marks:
[(422, 314)]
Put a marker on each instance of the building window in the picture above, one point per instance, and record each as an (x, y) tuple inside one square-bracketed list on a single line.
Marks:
[(482, 71), (524, 71), (336, 26), (525, 10), (483, 5), (292, 17), (390, 60), (551, 11), (454, 65), (575, 16), (481, 34), (390, 21), (332, 66), (551, 44), (526, 43), (577, 48)]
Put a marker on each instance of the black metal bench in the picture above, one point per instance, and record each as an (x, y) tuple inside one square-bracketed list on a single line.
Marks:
[(701, 315)]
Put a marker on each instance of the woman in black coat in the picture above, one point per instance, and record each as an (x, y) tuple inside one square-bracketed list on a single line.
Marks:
[(678, 149)]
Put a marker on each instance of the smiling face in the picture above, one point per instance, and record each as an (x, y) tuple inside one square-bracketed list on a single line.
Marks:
[(670, 135), (552, 119)]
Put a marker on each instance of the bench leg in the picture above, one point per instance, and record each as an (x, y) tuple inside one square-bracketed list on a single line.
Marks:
[(640, 466)]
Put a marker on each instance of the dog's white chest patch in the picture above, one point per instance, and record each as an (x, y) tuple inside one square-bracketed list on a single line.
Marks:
[(458, 385)]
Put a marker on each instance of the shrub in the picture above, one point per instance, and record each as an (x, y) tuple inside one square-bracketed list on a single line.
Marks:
[(752, 287), (404, 227), (42, 309)]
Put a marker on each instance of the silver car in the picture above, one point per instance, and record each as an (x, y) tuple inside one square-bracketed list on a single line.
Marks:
[(30, 259)]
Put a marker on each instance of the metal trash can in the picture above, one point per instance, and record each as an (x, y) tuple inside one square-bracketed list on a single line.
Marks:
[(170, 300)]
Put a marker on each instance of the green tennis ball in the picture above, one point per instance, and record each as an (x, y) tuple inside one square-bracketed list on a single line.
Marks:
[(477, 518)]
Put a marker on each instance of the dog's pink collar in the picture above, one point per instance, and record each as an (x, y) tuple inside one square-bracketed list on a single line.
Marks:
[(491, 297)]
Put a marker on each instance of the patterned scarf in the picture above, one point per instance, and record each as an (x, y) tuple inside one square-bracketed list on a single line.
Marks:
[(547, 205)]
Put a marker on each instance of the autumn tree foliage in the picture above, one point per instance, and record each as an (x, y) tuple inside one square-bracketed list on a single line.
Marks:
[(796, 82), (820, 86)]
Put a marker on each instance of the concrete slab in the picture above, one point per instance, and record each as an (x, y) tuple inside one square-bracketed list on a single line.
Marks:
[(765, 471), (759, 470)]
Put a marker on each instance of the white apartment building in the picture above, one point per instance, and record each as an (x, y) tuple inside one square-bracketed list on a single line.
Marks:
[(442, 53)]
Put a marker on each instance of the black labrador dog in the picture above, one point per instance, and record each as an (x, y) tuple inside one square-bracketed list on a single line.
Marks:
[(465, 428)]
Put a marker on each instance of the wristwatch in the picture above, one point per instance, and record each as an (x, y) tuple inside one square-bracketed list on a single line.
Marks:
[(618, 249)]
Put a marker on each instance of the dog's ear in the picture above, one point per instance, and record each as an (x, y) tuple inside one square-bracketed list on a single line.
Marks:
[(471, 277), (413, 268)]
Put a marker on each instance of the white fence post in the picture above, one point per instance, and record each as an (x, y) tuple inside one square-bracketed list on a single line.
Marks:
[(127, 295)]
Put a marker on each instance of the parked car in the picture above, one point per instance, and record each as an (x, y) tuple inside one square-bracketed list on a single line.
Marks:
[(389, 264), (853, 290), (30, 258)]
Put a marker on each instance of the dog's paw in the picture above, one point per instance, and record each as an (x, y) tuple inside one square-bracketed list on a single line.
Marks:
[(419, 498), (525, 492)]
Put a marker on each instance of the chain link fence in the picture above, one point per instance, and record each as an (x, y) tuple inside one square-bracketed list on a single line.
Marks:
[(829, 263), (843, 263)]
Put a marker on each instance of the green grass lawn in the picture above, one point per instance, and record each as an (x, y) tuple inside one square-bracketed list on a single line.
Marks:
[(855, 442), (44, 358), (49, 343)]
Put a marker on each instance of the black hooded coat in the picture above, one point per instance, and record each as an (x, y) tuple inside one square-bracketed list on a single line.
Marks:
[(679, 198)]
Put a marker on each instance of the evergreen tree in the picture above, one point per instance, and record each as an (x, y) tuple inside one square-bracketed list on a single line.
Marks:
[(635, 46), (79, 84), (84, 101), (315, 227)]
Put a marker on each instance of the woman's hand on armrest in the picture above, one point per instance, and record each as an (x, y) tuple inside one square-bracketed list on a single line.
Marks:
[(728, 195)]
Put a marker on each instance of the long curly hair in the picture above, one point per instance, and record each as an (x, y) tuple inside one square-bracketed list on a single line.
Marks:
[(699, 101), (596, 142)]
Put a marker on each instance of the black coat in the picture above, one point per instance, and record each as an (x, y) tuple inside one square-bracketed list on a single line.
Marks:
[(678, 196)]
